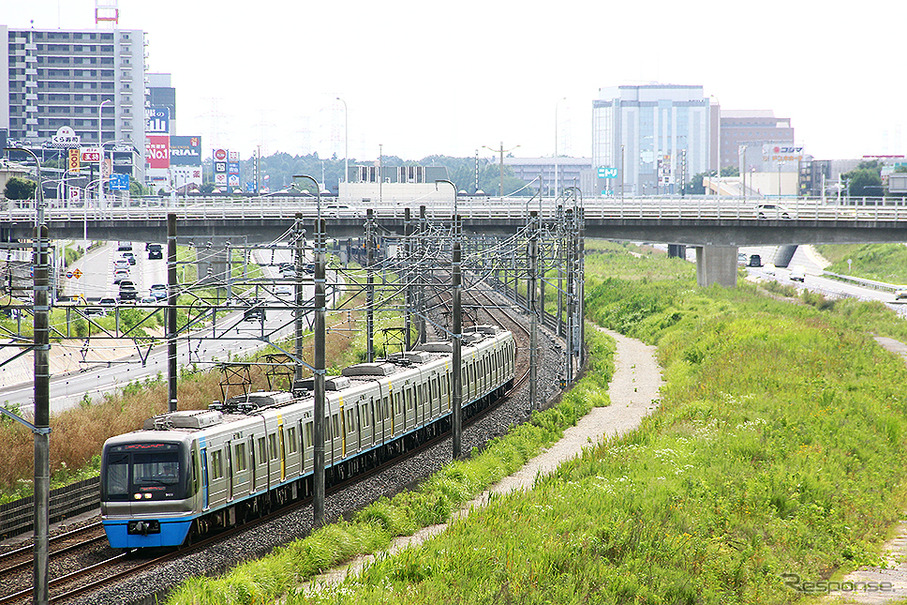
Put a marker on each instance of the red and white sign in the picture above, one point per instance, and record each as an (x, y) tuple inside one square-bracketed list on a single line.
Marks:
[(220, 178), (91, 155), (234, 156), (220, 155), (157, 151), (74, 194)]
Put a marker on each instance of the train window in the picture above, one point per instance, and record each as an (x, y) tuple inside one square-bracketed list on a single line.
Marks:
[(350, 424), (307, 436), (291, 437), (384, 408), (261, 450), (117, 474), (217, 464), (364, 416), (335, 422), (398, 408), (408, 397), (272, 445), (240, 456)]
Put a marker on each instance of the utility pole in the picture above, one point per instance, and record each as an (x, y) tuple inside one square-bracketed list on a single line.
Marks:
[(533, 312), (298, 292), (172, 372), (501, 151), (423, 230), (370, 286), (319, 371), (457, 404), (42, 397), (408, 286)]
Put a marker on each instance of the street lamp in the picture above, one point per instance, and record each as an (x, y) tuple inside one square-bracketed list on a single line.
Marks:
[(101, 159), (346, 140), (454, 187), (317, 189)]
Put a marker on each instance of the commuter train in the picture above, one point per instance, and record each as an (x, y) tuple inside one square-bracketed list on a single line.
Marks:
[(188, 472)]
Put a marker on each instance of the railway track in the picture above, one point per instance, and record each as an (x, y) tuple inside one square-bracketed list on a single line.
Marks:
[(90, 565)]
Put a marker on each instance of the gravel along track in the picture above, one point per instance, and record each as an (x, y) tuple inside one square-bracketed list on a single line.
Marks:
[(260, 540)]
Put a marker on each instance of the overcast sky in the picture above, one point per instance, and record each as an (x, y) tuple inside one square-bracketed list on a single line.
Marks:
[(450, 78)]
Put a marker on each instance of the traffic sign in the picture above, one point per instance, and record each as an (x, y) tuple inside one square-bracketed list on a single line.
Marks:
[(607, 173), (77, 274), (119, 182)]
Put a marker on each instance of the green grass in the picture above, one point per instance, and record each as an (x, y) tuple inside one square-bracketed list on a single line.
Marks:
[(779, 447), (372, 528), (879, 262)]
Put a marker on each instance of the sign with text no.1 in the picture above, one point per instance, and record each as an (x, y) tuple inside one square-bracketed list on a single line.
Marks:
[(607, 173)]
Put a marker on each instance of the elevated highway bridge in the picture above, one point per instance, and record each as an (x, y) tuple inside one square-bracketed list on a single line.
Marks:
[(714, 226)]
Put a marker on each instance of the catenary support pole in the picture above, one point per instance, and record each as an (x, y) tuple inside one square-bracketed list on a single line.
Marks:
[(298, 293), (320, 337), (533, 312), (370, 286), (423, 231), (457, 420), (172, 372), (42, 403), (408, 280)]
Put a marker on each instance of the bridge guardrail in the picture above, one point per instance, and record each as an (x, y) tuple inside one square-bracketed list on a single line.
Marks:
[(705, 208)]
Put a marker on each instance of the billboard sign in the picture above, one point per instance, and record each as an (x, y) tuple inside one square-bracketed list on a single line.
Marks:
[(187, 175), (233, 168), (66, 137), (607, 173), (220, 167), (220, 155), (91, 155), (157, 151), (781, 153), (74, 160), (157, 120), (220, 179), (185, 151)]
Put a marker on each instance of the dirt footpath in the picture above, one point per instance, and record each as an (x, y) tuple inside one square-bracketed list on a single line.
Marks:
[(634, 393)]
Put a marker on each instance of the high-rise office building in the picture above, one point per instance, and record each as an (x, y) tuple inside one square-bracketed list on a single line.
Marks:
[(52, 79), (651, 139)]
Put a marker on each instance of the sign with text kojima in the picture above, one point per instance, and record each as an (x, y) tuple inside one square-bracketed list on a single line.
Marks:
[(185, 151), (157, 151)]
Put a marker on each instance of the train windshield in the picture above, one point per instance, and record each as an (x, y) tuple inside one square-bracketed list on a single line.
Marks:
[(144, 471)]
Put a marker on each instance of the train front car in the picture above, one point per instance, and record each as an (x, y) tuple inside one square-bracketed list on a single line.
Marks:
[(148, 489)]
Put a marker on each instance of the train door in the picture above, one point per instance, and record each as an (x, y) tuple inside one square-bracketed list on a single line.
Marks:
[(307, 445), (282, 450), (252, 464), (203, 452), (228, 449)]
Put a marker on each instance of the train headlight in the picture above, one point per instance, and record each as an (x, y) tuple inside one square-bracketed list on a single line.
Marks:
[(148, 496), (138, 496)]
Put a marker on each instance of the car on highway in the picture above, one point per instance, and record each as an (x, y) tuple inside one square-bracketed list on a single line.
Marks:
[(128, 291), (119, 275), (798, 273), (94, 312), (148, 300), (769, 269), (772, 211), (108, 302), (755, 261), (124, 246), (900, 293), (129, 257), (158, 291), (154, 251), (121, 263), (283, 291)]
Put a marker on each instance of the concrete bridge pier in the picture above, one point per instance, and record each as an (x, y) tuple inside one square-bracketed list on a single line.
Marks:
[(716, 265)]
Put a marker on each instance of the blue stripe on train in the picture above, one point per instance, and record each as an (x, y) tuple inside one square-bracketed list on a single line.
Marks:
[(173, 533)]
